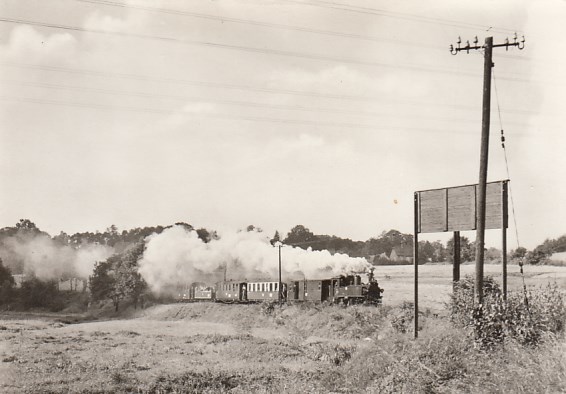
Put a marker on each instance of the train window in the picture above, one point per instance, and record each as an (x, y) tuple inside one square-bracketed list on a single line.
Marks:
[(270, 287), (277, 287)]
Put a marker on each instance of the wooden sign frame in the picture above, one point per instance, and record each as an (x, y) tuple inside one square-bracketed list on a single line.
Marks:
[(455, 209)]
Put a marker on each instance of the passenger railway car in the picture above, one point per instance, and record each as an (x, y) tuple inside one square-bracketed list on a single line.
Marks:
[(309, 290), (265, 291), (231, 291)]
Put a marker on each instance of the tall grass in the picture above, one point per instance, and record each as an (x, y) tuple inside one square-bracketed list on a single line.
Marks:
[(526, 317), (324, 349)]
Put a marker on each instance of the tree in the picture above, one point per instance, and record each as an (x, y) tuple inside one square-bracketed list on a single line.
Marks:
[(440, 252), (187, 226), (7, 283), (62, 239), (492, 255), (102, 283), (276, 238), (204, 235), (251, 228), (118, 278), (26, 224), (36, 293), (537, 256), (300, 236), (128, 277), (426, 252), (518, 254), (467, 249)]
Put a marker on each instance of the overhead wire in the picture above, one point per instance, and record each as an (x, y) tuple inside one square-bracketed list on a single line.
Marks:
[(223, 101), (145, 110), (525, 294), (266, 51), (270, 25), (220, 85), (505, 156), (397, 15)]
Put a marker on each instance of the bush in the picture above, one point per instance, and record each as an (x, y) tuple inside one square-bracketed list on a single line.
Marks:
[(524, 317), (402, 319)]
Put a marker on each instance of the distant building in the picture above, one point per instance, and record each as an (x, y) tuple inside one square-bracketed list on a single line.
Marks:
[(401, 254), (72, 284)]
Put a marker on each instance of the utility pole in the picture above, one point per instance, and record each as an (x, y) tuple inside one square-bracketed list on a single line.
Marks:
[(484, 150)]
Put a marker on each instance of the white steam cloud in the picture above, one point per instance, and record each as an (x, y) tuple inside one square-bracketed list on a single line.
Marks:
[(178, 256), (42, 257)]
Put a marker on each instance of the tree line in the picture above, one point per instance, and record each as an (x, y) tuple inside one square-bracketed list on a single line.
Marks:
[(117, 279)]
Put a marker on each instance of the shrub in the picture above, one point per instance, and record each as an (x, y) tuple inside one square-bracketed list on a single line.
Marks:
[(524, 317), (402, 320)]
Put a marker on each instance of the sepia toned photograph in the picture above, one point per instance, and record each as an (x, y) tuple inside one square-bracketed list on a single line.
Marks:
[(282, 196)]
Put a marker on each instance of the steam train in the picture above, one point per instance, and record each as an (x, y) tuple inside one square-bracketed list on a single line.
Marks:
[(344, 289)]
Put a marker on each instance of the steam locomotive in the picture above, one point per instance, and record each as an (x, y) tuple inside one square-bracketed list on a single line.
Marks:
[(344, 289)]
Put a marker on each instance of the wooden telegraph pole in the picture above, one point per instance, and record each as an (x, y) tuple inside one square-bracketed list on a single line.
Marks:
[(484, 150)]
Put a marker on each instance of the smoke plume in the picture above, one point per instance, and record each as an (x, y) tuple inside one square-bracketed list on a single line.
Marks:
[(40, 256), (178, 256)]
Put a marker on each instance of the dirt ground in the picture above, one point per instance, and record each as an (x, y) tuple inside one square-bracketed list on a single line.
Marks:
[(217, 342), (43, 355)]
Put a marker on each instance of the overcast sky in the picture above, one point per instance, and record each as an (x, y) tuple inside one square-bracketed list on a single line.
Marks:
[(274, 113)]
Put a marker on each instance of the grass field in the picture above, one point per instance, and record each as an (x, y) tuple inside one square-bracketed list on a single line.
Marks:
[(296, 349), (435, 281)]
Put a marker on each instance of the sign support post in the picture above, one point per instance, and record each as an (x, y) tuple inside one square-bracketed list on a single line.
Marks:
[(416, 263), (456, 258)]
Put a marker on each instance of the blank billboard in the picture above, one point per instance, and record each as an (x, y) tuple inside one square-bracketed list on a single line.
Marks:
[(455, 208)]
